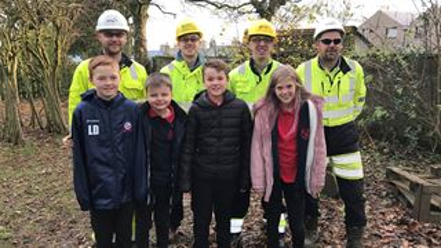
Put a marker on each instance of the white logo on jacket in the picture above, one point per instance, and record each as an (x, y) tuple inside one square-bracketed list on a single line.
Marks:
[(93, 129)]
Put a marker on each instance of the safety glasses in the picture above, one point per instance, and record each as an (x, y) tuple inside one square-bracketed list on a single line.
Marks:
[(110, 34), (329, 41), (258, 39), (192, 38)]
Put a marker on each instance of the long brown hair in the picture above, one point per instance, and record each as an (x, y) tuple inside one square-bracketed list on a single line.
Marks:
[(271, 102)]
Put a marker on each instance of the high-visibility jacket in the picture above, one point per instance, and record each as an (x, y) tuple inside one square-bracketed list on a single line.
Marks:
[(343, 89), (133, 78), (248, 84), (186, 83)]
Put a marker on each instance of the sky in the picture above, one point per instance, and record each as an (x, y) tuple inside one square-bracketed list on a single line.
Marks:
[(161, 27)]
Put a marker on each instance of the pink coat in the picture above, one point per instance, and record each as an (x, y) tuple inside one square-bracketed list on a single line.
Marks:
[(261, 153)]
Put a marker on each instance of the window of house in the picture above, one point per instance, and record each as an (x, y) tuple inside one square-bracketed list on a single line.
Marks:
[(391, 32)]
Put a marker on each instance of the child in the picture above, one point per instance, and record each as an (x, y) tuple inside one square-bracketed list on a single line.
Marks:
[(288, 152), (161, 132), (216, 155), (103, 130)]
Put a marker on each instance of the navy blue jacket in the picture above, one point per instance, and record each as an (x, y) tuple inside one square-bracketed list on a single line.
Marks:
[(144, 135), (104, 136)]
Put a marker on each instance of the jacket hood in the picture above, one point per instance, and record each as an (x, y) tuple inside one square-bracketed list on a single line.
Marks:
[(201, 99)]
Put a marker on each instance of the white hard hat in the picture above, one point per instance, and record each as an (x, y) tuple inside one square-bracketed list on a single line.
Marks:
[(328, 25), (112, 19)]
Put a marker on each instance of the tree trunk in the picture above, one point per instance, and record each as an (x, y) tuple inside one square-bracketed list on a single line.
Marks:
[(13, 132), (140, 21)]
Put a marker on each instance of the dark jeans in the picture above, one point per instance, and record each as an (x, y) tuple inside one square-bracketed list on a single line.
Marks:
[(107, 223), (166, 216), (352, 194), (212, 196), (294, 196)]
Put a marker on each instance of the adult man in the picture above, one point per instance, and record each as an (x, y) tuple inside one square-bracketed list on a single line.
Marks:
[(249, 81), (187, 80), (340, 81), (186, 70), (111, 31)]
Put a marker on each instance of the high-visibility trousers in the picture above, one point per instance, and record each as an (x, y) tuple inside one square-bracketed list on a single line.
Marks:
[(347, 166)]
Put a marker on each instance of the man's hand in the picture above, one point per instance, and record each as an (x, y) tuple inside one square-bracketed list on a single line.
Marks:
[(67, 141)]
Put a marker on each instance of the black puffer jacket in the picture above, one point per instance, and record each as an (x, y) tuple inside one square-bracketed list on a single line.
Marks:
[(217, 143)]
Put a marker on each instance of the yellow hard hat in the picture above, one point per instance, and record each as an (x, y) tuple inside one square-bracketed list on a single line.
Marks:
[(262, 27), (187, 26)]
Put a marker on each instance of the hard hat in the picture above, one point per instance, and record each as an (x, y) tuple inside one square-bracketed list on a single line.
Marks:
[(112, 19), (328, 25), (262, 27), (187, 26)]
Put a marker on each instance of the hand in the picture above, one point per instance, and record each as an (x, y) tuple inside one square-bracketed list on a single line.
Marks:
[(67, 141)]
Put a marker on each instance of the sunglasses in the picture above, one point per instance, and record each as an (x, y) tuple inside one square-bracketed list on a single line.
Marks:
[(329, 41), (258, 39), (192, 39), (109, 34)]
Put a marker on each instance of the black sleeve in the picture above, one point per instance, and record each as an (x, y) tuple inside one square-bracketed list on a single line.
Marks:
[(188, 151), (81, 180), (246, 139), (141, 165)]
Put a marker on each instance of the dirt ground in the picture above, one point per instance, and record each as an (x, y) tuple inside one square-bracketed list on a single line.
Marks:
[(38, 206)]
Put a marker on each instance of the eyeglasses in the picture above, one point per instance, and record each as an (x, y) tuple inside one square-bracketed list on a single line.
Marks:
[(193, 39), (110, 34), (258, 39), (329, 41)]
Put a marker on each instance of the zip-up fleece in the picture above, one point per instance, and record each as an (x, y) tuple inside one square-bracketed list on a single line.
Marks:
[(103, 152), (143, 168)]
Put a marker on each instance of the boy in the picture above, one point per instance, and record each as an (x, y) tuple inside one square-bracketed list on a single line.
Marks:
[(161, 133), (216, 154), (103, 143)]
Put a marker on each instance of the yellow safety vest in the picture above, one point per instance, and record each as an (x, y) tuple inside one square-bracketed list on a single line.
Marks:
[(249, 86), (344, 93), (186, 83), (131, 85)]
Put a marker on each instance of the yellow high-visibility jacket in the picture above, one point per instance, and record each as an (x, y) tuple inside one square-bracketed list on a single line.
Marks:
[(343, 89), (133, 78), (186, 83), (249, 85)]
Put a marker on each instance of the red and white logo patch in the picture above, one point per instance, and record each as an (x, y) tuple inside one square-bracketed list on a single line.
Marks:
[(127, 127)]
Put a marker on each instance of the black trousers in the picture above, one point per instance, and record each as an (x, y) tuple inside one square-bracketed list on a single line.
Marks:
[(107, 223), (166, 214), (212, 196), (352, 194), (294, 195)]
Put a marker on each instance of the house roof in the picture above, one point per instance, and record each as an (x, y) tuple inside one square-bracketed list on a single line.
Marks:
[(404, 18)]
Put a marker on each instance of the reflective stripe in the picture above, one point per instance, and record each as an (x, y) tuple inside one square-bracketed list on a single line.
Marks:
[(282, 224), (308, 75), (170, 67), (358, 108), (185, 106), (236, 225), (349, 174), (338, 113), (133, 72), (242, 69), (335, 99), (350, 158)]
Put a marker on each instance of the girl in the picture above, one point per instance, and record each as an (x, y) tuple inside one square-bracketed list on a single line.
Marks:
[(288, 156)]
